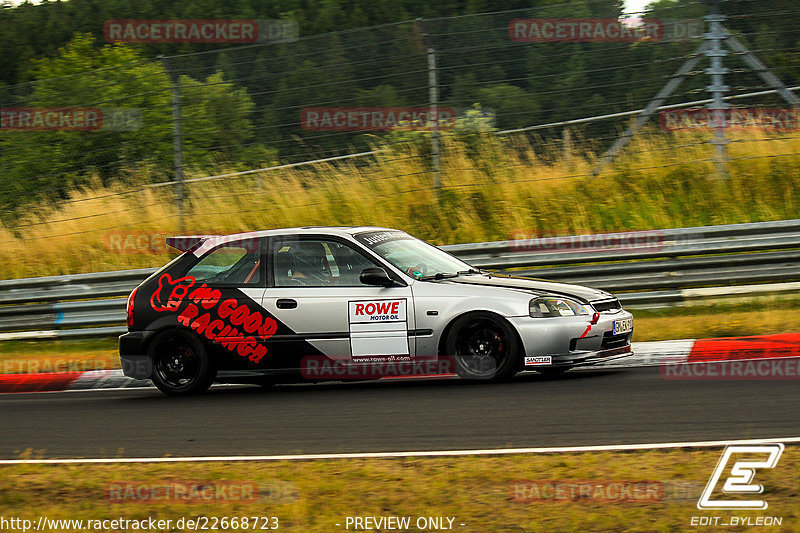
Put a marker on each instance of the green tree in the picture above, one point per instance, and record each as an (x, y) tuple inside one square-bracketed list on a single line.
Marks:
[(48, 163), (515, 108), (215, 120)]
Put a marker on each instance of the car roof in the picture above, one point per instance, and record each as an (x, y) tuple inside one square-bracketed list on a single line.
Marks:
[(193, 242), (341, 231)]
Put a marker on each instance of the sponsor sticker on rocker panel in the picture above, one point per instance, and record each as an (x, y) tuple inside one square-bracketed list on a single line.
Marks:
[(379, 330), (533, 360)]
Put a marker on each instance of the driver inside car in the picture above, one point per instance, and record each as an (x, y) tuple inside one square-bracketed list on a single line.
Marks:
[(305, 263)]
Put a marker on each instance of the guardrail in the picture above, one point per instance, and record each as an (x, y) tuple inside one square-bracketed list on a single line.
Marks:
[(652, 268)]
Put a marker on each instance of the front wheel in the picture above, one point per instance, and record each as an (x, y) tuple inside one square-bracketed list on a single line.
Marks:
[(180, 363), (484, 346)]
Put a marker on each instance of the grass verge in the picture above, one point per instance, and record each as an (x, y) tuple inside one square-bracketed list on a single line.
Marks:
[(489, 191), (479, 492), (78, 355), (731, 318)]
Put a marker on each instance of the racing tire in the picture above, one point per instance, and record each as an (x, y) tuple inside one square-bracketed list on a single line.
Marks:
[(485, 347), (181, 365)]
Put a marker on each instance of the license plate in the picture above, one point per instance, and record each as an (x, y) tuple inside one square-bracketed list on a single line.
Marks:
[(624, 325)]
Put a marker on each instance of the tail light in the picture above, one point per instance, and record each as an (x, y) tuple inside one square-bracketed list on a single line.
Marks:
[(129, 307)]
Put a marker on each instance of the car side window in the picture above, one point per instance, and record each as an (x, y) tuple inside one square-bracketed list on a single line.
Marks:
[(317, 263), (350, 263), (236, 263)]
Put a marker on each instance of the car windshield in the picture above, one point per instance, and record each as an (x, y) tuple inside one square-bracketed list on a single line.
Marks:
[(416, 258)]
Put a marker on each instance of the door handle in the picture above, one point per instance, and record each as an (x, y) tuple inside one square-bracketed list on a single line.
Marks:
[(286, 303)]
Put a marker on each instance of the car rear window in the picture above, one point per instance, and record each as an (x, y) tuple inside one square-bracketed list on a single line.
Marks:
[(230, 263)]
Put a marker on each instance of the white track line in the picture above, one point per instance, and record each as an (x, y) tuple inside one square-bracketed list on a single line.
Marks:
[(389, 455)]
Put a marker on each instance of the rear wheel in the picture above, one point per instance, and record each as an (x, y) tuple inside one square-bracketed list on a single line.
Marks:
[(180, 363), (484, 346)]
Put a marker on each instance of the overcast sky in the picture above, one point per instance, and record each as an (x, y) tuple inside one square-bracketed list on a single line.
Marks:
[(636, 6)]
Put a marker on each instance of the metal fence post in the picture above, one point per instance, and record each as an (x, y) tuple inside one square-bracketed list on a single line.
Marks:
[(651, 109), (761, 69), (433, 92), (177, 139), (717, 89), (566, 147)]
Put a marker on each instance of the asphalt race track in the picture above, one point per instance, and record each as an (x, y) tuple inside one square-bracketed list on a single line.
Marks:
[(628, 406)]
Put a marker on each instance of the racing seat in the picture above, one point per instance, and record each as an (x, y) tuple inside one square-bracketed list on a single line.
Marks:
[(284, 264)]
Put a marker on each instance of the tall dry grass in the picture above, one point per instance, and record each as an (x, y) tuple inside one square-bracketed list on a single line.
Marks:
[(490, 189)]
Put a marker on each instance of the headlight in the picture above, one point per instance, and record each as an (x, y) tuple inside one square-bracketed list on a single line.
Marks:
[(552, 306)]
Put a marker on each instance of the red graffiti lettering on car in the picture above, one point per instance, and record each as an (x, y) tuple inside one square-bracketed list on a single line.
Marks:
[(177, 291), (214, 320)]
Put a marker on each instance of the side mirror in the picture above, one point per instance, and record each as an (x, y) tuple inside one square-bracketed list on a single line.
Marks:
[(376, 276)]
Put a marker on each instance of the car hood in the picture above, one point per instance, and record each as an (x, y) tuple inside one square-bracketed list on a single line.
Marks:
[(538, 286)]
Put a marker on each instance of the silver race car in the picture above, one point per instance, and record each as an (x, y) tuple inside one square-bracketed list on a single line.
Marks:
[(347, 303)]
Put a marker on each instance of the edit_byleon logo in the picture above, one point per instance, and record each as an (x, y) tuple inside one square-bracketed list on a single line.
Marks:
[(740, 477)]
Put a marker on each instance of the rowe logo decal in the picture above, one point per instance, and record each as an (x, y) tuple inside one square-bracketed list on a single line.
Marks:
[(741, 476), (378, 311)]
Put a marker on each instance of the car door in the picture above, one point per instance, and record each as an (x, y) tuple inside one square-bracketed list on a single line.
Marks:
[(315, 290)]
